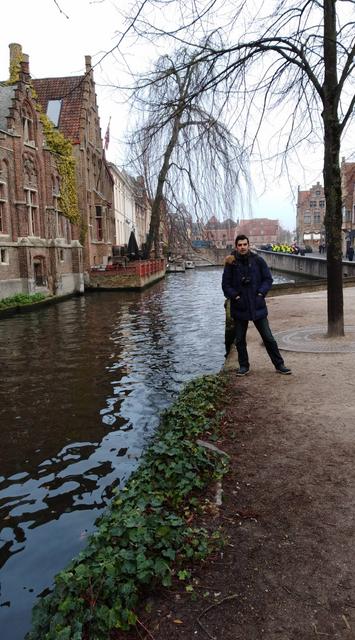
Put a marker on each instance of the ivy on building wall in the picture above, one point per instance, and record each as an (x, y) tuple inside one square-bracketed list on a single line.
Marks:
[(15, 64), (62, 149), (59, 145)]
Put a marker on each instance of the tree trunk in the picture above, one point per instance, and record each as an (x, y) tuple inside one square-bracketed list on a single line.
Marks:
[(332, 177), (154, 227)]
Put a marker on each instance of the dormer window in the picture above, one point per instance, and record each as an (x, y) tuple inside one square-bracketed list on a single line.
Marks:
[(53, 111)]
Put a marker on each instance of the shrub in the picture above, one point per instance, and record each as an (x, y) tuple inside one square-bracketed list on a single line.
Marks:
[(21, 299), (145, 537)]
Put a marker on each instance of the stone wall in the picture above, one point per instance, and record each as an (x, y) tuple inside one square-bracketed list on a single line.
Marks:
[(310, 267)]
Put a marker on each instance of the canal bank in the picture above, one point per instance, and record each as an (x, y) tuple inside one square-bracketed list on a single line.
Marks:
[(58, 466), (310, 266), (287, 515), (85, 383)]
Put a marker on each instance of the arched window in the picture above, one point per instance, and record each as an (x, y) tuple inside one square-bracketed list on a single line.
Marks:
[(27, 125), (39, 271)]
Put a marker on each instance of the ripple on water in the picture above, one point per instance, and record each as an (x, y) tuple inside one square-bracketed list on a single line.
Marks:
[(85, 383)]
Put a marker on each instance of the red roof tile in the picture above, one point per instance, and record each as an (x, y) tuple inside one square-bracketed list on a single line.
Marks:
[(70, 91)]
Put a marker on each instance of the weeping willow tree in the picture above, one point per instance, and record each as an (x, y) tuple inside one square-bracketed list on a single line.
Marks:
[(181, 145), (288, 62)]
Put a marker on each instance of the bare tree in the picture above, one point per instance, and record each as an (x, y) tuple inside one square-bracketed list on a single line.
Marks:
[(186, 153), (298, 61)]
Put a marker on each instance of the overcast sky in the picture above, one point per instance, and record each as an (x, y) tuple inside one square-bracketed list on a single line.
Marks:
[(57, 46)]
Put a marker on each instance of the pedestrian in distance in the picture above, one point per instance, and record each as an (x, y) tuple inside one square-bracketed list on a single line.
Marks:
[(246, 281), (350, 253)]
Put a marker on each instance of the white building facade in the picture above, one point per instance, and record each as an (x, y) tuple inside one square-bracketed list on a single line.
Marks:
[(131, 207), (124, 206)]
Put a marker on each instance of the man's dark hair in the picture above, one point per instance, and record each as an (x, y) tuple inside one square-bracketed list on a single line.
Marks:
[(241, 236)]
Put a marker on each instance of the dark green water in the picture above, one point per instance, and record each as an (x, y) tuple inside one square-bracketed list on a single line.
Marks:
[(81, 389)]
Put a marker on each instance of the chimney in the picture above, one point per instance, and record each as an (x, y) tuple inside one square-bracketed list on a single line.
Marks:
[(25, 68), (16, 58), (88, 65)]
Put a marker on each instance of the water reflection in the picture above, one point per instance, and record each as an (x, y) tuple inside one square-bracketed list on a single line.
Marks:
[(85, 382)]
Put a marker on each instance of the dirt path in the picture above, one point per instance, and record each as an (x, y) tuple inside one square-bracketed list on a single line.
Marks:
[(287, 572)]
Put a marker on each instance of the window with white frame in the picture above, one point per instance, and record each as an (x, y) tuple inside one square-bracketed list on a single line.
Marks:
[(316, 218), (99, 223), (307, 218), (32, 212), (347, 215), (53, 111), (3, 208)]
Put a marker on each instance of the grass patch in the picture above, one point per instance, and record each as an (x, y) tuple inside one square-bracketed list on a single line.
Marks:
[(146, 538), (21, 299)]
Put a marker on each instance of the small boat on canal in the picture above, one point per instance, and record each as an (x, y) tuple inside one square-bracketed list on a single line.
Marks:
[(176, 266), (189, 264)]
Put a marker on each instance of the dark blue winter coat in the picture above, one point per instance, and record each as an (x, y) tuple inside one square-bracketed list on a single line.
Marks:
[(246, 277)]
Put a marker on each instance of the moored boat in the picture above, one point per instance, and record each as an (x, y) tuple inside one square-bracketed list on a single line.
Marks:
[(176, 267)]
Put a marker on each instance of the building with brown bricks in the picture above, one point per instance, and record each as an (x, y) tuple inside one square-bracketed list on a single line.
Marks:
[(70, 102), (348, 202), (311, 208), (310, 216), (39, 245), (258, 230)]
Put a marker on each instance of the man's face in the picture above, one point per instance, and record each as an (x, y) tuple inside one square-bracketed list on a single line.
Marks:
[(242, 247)]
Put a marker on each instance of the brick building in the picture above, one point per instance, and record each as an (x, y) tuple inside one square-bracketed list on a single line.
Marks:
[(348, 202), (311, 209), (220, 234), (310, 216), (258, 230), (70, 102), (39, 246)]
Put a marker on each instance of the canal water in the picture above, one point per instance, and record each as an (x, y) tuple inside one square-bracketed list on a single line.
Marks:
[(82, 384)]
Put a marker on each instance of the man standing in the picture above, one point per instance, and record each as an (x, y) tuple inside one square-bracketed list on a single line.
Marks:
[(246, 281)]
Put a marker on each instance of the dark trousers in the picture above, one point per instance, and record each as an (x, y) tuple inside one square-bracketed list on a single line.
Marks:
[(241, 327)]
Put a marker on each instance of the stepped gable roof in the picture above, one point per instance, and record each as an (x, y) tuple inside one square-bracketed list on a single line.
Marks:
[(70, 91), (7, 92), (213, 223), (229, 223)]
